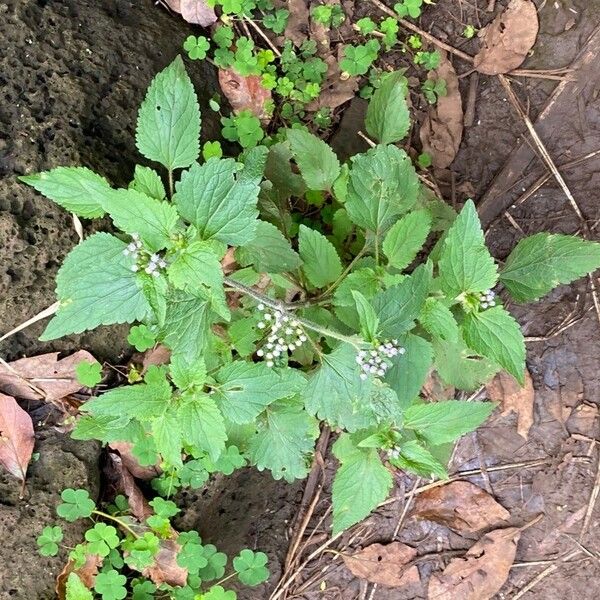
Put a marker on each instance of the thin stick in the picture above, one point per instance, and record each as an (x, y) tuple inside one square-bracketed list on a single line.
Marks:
[(406, 507), (28, 383), (47, 312), (264, 36), (591, 503)]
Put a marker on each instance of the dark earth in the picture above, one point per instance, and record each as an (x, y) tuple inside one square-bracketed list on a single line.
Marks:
[(72, 73)]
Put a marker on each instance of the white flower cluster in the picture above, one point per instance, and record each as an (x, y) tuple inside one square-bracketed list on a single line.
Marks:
[(487, 299), (377, 361), (150, 263), (285, 334), (394, 453)]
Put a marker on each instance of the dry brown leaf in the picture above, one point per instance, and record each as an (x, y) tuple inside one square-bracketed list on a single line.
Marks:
[(382, 564), (165, 568), (508, 38), (124, 482), (159, 355), (504, 388), (297, 25), (435, 390), (16, 437), (87, 573), (335, 91), (584, 420), (245, 93), (481, 572), (460, 505), (174, 5), (130, 462), (441, 132), (56, 378), (197, 12)]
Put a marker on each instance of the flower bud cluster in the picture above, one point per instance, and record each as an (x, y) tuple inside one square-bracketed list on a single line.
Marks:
[(487, 299), (285, 334), (393, 453), (144, 260), (377, 361)]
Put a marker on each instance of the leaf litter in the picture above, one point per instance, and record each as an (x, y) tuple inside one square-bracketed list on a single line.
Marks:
[(17, 438), (86, 573), (197, 12), (245, 93)]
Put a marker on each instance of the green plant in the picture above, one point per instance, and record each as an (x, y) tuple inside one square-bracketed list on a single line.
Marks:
[(329, 15), (469, 31), (434, 89), (330, 316), (132, 543)]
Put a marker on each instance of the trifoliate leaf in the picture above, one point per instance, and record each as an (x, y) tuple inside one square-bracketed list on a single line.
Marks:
[(406, 237), (318, 164), (321, 263), (437, 319), (216, 564), (244, 389), (111, 585), (141, 338), (49, 539), (250, 567), (388, 117), (77, 504), (218, 592), (540, 262), (76, 189), (465, 264), (228, 462), (96, 286), (89, 373), (102, 538), (284, 439), (202, 424), (147, 181), (441, 422), (143, 590), (164, 508), (193, 474), (221, 206), (269, 251), (383, 185), (495, 333), (168, 125), (191, 557), (359, 485)]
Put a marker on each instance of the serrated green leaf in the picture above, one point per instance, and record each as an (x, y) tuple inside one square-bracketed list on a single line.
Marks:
[(147, 181), (460, 366), (465, 263), (187, 373), (96, 286), (495, 333), (398, 306), (269, 251), (438, 320), (195, 268), (441, 422), (221, 206), (168, 436), (244, 389), (202, 424), (406, 237), (244, 334), (416, 458), (359, 485), (321, 263), (168, 125), (407, 375), (369, 321), (133, 212), (76, 589), (318, 164), (284, 439), (383, 185), (363, 280), (388, 117), (540, 262), (76, 189)]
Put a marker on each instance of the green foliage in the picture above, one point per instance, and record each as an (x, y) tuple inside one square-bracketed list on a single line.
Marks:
[(89, 373), (196, 47), (111, 585), (250, 567), (76, 589), (358, 59), (409, 8), (321, 263), (49, 539), (433, 89), (76, 504), (388, 118), (428, 60)]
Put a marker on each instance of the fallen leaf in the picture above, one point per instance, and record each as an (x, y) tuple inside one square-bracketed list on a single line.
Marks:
[(435, 390), (165, 568), (297, 25), (441, 132), (504, 388), (16, 437), (56, 378), (245, 93), (460, 505), (130, 462), (124, 482), (508, 38), (481, 572), (174, 5), (159, 355), (382, 564), (197, 12), (87, 573), (335, 91), (584, 420)]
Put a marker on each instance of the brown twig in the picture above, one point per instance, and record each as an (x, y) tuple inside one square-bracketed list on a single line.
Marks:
[(469, 117), (405, 508), (264, 36)]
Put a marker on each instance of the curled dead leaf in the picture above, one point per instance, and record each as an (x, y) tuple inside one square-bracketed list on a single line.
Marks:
[(56, 378), (123, 482), (297, 25), (481, 572), (504, 388), (131, 463), (441, 132), (383, 564), (245, 93), (87, 573), (159, 355), (508, 38), (16, 437), (165, 568), (434, 389), (460, 505)]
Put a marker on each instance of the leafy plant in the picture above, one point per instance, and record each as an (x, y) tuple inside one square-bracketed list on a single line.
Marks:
[(335, 316), (434, 89)]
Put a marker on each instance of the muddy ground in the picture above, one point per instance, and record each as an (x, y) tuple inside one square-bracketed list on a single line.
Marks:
[(71, 80)]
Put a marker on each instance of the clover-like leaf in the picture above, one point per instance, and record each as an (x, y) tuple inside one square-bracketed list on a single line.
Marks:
[(49, 539), (89, 373), (102, 539), (111, 585), (250, 567), (77, 504)]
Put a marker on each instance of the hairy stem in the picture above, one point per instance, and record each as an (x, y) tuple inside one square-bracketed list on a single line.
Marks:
[(347, 270)]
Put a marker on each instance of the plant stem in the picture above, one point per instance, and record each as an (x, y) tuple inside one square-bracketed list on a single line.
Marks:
[(226, 578), (116, 520), (170, 183), (282, 306), (347, 270)]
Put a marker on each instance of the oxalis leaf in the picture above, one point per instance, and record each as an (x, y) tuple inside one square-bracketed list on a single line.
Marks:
[(359, 485), (96, 286), (168, 125), (496, 334)]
